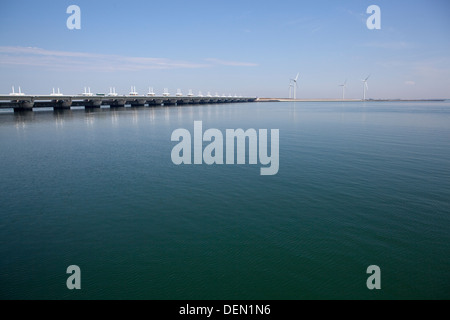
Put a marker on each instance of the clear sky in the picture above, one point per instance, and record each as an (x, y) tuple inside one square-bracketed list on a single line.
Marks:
[(240, 47)]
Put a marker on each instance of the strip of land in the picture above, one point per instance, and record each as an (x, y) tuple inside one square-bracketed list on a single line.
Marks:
[(339, 100)]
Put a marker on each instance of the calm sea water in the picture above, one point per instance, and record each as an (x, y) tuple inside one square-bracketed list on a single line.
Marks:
[(358, 185)]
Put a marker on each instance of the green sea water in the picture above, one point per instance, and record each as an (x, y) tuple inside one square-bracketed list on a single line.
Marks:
[(359, 184)]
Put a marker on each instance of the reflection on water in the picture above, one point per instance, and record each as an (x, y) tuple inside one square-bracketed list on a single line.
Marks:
[(135, 116), (114, 118), (418, 113), (60, 118), (89, 119)]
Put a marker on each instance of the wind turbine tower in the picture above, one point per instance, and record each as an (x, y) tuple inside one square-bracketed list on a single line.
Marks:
[(295, 85), (290, 89), (343, 89), (365, 87)]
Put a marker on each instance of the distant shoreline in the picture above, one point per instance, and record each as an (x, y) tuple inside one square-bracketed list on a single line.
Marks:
[(346, 100)]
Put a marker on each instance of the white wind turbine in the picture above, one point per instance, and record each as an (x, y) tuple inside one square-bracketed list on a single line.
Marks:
[(343, 89), (365, 87), (295, 85)]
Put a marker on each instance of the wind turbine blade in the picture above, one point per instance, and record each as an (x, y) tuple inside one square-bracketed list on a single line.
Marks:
[(368, 77), (296, 78)]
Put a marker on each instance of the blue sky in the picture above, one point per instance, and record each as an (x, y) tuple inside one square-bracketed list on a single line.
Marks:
[(241, 47)]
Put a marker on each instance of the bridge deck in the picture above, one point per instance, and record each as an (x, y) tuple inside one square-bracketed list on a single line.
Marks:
[(29, 102)]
